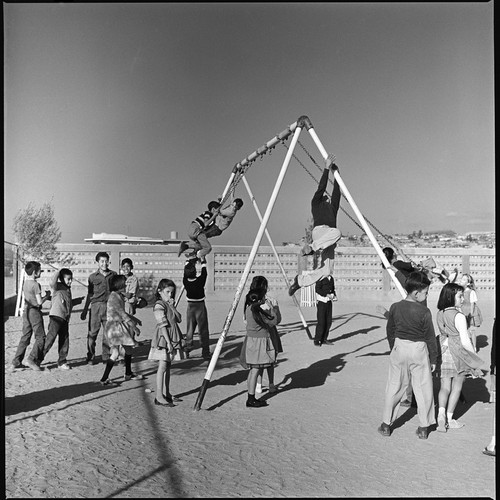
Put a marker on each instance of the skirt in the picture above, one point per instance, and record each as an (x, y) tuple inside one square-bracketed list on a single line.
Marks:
[(257, 352), (448, 368), (156, 354), (118, 333)]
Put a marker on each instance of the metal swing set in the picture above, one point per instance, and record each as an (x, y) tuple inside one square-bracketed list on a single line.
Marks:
[(238, 174)]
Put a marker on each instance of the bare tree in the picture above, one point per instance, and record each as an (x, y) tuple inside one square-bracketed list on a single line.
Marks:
[(37, 232)]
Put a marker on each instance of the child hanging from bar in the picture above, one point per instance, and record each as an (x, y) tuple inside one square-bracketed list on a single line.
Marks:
[(198, 239), (224, 217), (325, 233)]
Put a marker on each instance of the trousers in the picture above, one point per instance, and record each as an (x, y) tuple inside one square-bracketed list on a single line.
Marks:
[(196, 315), (58, 327), (409, 363), (32, 324), (96, 320)]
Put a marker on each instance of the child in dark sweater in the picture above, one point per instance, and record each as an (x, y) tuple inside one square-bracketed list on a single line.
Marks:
[(325, 295), (413, 357), (196, 313)]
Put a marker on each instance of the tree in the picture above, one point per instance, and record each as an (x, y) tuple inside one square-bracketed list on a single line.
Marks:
[(37, 232)]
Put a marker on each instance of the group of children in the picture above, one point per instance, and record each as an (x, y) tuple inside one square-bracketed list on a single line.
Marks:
[(417, 353)]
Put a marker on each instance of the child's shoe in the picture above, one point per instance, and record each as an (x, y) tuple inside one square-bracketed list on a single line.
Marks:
[(133, 376), (384, 429), (64, 366), (455, 424), (422, 432), (182, 248), (294, 286), (441, 423)]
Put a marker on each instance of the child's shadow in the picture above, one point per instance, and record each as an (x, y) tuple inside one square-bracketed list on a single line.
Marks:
[(474, 390), (312, 376)]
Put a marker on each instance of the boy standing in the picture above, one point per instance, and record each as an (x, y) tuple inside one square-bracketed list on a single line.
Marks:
[(411, 336), (32, 319), (97, 298), (325, 295), (131, 286), (196, 313)]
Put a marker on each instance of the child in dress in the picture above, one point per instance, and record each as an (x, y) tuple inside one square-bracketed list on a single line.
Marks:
[(261, 282), (458, 354), (257, 351), (166, 344), (469, 305), (120, 330)]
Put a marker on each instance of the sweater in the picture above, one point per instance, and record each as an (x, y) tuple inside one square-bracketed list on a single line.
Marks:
[(325, 213)]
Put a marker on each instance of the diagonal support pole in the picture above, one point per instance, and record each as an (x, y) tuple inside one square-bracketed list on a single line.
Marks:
[(359, 215), (246, 271), (282, 269)]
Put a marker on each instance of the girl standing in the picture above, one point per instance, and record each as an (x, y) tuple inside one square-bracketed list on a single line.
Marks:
[(257, 351), (120, 330), (458, 354), (166, 344), (469, 306), (261, 282)]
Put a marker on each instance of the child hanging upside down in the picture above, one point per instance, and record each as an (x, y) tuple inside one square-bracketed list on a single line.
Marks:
[(325, 233)]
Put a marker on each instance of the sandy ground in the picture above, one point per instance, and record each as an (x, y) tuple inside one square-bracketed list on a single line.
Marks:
[(67, 436)]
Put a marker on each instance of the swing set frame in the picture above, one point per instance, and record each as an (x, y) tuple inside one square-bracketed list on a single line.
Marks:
[(238, 173)]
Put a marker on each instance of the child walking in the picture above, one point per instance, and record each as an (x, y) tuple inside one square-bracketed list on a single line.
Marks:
[(469, 306), (257, 351), (32, 319), (120, 330), (166, 344), (413, 355), (59, 316), (458, 356), (260, 282)]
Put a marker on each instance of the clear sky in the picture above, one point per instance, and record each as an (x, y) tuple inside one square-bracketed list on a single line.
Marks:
[(129, 117)]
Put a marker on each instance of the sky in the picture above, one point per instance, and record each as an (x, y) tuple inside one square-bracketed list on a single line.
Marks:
[(129, 117)]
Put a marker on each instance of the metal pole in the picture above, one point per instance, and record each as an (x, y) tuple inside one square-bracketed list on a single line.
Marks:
[(246, 272), (250, 194), (361, 219)]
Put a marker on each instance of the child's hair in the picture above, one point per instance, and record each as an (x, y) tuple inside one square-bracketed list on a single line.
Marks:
[(101, 254), (213, 204), (128, 261), (470, 281), (254, 299), (164, 283), (259, 282), (389, 253), (31, 267), (117, 282), (447, 295), (64, 272), (416, 281), (190, 272), (238, 202)]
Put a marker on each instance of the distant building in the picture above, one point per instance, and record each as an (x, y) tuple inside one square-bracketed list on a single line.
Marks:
[(120, 239)]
